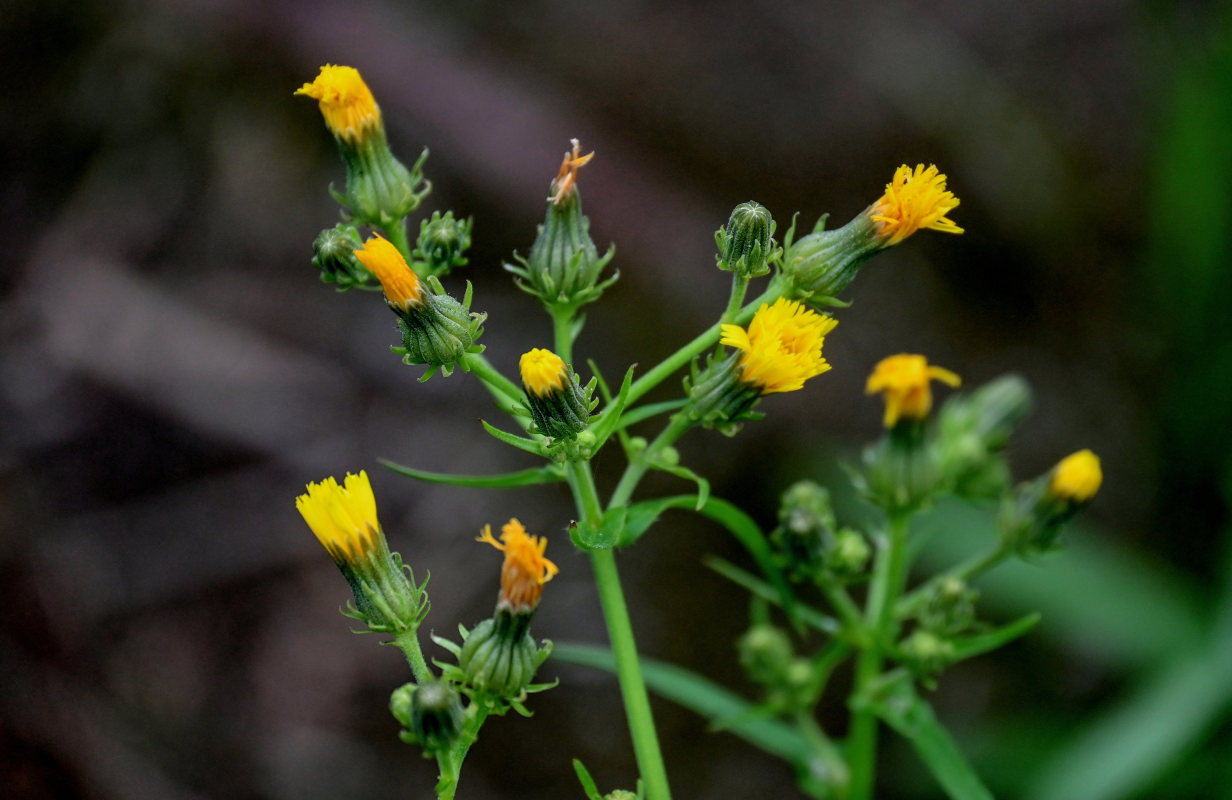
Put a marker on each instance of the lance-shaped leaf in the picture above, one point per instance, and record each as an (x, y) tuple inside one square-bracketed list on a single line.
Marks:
[(552, 473)]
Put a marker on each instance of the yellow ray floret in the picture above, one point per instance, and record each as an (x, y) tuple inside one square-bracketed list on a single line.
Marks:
[(913, 200), (1077, 477), (782, 346), (525, 569), (401, 284), (342, 517), (543, 372), (347, 104), (904, 380), (566, 178)]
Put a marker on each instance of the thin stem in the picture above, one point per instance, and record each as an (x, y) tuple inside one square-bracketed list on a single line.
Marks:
[(408, 642), (888, 576), (847, 609), (835, 767), (451, 761), (637, 467), (562, 335), (740, 285), (506, 393), (965, 571)]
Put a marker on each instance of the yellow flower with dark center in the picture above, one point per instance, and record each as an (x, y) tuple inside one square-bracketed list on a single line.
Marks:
[(566, 178), (543, 372), (525, 569), (782, 346), (347, 104), (342, 517), (402, 287), (904, 380), (1077, 477), (913, 200)]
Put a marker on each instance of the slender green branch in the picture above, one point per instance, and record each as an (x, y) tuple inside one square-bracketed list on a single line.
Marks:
[(965, 571), (450, 762), (506, 393), (396, 234), (408, 642), (740, 285), (831, 759), (562, 335), (847, 609), (637, 467)]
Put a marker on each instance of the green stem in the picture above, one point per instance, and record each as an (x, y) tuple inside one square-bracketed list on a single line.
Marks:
[(506, 393), (637, 467), (889, 574), (965, 571), (451, 762), (740, 285), (396, 234), (835, 768), (408, 642), (562, 335), (847, 609)]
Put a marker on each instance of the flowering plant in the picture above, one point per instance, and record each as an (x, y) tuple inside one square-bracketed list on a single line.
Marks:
[(827, 594)]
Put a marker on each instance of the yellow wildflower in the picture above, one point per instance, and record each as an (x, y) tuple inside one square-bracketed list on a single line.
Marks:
[(1077, 477), (525, 569), (543, 372), (904, 380), (913, 200), (342, 517), (782, 346), (566, 178), (402, 287), (347, 104)]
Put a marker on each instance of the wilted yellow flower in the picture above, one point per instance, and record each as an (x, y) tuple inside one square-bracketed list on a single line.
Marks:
[(401, 284), (347, 104), (543, 372), (904, 380), (782, 346), (566, 178), (525, 569), (342, 517), (1077, 477), (913, 200)]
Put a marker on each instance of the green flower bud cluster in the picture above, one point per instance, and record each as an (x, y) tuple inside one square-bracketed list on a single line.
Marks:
[(809, 544), (746, 244), (768, 659), (973, 430), (442, 244), (949, 608)]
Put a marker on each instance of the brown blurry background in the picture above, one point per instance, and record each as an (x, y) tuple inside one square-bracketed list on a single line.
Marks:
[(172, 371)]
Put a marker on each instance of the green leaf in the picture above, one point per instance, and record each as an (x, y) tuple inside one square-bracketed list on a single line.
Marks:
[(529, 445), (649, 410), (968, 646), (588, 783), (913, 718), (609, 418), (603, 536), (759, 588), (702, 696), (551, 473)]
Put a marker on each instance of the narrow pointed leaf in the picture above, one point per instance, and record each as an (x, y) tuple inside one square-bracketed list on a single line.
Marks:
[(968, 646), (527, 477)]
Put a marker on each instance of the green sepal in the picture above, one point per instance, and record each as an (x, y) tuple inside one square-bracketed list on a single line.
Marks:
[(535, 446), (534, 476), (588, 783)]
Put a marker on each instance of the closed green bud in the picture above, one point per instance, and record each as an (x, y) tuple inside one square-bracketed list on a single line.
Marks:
[(620, 794), (499, 657), (564, 266), (765, 653), (558, 405), (333, 253), (442, 243), (927, 652), (973, 430), (849, 555), (431, 713), (949, 608), (746, 244), (901, 470), (823, 263)]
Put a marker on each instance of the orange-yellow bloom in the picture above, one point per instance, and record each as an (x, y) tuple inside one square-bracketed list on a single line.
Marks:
[(342, 517), (543, 372), (782, 346), (525, 569), (347, 104), (904, 380), (913, 200), (1077, 477), (566, 178), (401, 284)]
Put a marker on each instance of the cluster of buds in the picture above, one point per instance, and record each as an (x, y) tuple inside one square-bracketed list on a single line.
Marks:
[(809, 543), (768, 658), (442, 244)]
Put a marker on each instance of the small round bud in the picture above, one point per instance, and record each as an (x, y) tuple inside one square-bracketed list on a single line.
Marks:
[(620, 794), (746, 243), (498, 657), (334, 255), (850, 553), (765, 653), (442, 242), (950, 608), (929, 652), (436, 716)]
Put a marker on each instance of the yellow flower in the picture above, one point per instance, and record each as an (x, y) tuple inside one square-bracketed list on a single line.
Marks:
[(543, 372), (401, 284), (342, 517), (914, 200), (904, 379), (782, 347), (566, 178), (347, 104), (525, 569), (1077, 477)]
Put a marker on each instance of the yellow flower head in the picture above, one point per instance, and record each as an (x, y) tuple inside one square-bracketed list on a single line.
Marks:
[(566, 178), (1077, 477), (543, 372), (525, 569), (342, 517), (904, 379), (401, 284), (782, 347), (913, 200), (347, 104)]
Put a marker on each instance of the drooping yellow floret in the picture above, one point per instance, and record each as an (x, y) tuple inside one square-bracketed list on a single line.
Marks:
[(1077, 477), (525, 569), (543, 372), (913, 200), (782, 346), (904, 380), (342, 517), (566, 178), (401, 284), (347, 104)]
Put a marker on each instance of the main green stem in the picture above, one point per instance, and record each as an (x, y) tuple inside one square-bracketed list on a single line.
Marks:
[(506, 393), (408, 642), (624, 648), (889, 575)]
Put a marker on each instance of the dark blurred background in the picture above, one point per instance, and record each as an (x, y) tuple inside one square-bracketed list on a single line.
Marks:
[(172, 371)]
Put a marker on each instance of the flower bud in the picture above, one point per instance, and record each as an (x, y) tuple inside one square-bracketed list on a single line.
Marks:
[(928, 653), (432, 712), (498, 656), (564, 265), (746, 243), (334, 255), (973, 430), (1031, 518), (442, 242), (765, 653), (949, 608), (558, 406)]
